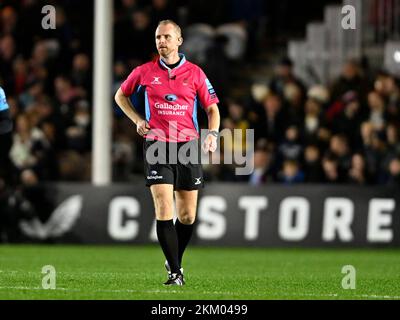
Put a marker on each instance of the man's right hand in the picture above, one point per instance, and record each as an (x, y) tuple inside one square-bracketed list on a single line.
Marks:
[(142, 127)]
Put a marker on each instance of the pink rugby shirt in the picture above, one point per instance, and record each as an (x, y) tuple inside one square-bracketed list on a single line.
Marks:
[(171, 98)]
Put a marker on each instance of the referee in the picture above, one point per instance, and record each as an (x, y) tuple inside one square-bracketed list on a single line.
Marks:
[(172, 88)]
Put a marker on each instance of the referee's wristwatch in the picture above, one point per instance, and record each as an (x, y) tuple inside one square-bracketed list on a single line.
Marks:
[(213, 133)]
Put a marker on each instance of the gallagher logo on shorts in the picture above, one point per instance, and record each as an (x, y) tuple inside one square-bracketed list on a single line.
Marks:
[(154, 175), (170, 97)]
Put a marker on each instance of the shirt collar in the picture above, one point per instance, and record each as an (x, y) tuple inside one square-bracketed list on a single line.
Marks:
[(183, 60)]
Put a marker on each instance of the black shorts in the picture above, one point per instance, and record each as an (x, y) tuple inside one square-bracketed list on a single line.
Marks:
[(168, 163)]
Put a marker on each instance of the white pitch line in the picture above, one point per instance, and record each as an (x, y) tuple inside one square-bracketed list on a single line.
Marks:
[(335, 295), (73, 273)]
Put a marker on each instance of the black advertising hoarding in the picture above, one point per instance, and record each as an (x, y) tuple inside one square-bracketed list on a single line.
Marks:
[(308, 215), (229, 215)]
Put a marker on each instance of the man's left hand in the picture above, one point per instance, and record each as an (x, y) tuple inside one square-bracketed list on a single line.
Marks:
[(209, 144)]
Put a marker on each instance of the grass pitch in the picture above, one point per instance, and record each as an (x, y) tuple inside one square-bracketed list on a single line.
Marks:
[(137, 272)]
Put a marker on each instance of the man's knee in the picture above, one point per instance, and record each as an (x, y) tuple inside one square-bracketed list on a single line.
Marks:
[(186, 217)]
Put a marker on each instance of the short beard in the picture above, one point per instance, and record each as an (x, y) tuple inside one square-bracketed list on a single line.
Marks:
[(166, 54)]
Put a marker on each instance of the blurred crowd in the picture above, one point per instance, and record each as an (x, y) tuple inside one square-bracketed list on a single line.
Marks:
[(343, 133), (47, 77), (346, 132)]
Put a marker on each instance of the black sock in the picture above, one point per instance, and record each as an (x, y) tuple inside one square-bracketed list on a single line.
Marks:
[(169, 243), (184, 233)]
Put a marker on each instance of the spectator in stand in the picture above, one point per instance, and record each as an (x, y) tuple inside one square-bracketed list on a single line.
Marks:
[(272, 124), (294, 97), (255, 99), (350, 79), (392, 96), (42, 65), (81, 74), (348, 120), (332, 173), (283, 76), (375, 155), (358, 173), (392, 148), (312, 164), (20, 76), (33, 93), (394, 173), (28, 150), (291, 173), (313, 122), (263, 164), (392, 138), (388, 88), (377, 111), (235, 120), (366, 133), (78, 132), (66, 95), (291, 147), (8, 21), (339, 147), (47, 113)]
